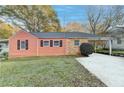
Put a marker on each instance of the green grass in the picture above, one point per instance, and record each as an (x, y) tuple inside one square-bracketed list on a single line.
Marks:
[(46, 72), (113, 51)]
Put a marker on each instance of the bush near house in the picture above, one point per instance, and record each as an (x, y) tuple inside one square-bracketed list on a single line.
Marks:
[(86, 49), (4, 56)]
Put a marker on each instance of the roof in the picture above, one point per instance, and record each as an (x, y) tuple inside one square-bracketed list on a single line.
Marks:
[(63, 35), (116, 32)]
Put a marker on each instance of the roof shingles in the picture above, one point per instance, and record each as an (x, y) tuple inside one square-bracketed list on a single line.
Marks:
[(63, 35)]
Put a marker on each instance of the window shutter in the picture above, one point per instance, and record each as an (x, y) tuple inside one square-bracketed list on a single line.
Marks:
[(51, 43), (60, 43), (26, 44), (41, 43), (18, 44)]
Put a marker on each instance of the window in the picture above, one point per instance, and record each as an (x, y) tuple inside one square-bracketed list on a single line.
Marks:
[(76, 42), (23, 45), (46, 43), (51, 43), (57, 43), (0, 46), (118, 41)]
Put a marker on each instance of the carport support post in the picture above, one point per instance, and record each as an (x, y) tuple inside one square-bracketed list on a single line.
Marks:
[(110, 47)]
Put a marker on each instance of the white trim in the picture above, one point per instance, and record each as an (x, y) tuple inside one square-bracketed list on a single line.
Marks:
[(54, 45), (48, 45), (20, 45)]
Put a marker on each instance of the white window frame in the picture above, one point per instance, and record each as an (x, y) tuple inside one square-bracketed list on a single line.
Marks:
[(54, 45), (119, 41), (21, 43), (75, 44), (48, 43)]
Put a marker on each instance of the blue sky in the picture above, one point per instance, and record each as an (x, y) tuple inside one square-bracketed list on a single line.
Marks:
[(71, 13)]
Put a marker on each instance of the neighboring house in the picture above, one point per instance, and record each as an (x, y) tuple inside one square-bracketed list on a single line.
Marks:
[(118, 37), (3, 46), (118, 43), (24, 43)]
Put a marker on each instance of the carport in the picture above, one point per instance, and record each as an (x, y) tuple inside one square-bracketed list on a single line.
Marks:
[(108, 39)]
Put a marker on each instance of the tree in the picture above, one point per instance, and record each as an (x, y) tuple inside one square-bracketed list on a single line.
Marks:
[(6, 30), (73, 27), (118, 15), (31, 18), (94, 18), (101, 18)]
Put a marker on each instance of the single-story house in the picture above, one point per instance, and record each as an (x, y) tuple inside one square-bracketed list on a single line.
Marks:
[(3, 46), (24, 44)]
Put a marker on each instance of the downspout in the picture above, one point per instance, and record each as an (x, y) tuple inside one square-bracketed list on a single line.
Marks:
[(64, 44), (37, 47)]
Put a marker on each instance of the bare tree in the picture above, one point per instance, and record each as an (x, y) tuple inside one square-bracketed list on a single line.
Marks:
[(74, 27), (94, 18), (101, 18)]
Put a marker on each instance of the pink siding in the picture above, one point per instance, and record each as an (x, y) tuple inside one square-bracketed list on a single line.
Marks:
[(49, 51), (34, 48), (32, 44)]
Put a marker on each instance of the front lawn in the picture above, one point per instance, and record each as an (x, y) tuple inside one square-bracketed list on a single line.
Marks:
[(46, 72)]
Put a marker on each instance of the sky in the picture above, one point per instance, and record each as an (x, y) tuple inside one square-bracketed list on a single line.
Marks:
[(71, 13)]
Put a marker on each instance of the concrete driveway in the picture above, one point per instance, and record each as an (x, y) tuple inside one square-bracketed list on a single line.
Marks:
[(109, 69)]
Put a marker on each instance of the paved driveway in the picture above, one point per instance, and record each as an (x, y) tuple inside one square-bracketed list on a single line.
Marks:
[(109, 69)]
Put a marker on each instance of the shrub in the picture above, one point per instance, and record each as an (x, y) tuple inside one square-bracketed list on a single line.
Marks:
[(5, 55), (86, 49)]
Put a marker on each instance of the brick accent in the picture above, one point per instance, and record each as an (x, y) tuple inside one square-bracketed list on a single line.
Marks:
[(71, 49)]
